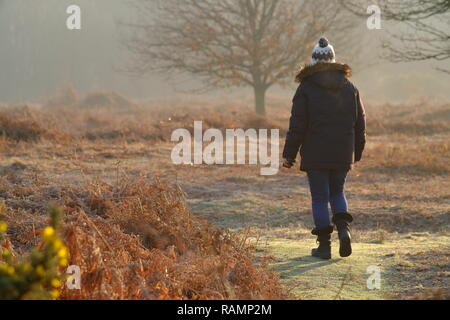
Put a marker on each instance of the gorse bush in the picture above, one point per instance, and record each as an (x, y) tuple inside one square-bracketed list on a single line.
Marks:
[(36, 276)]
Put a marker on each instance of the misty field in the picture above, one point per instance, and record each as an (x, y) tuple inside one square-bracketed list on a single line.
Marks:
[(141, 227)]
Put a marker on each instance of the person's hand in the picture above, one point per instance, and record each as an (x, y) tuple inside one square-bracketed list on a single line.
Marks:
[(288, 163)]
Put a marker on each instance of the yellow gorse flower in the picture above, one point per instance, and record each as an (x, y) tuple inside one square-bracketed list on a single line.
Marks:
[(62, 253), (40, 271), (3, 227), (26, 267), (63, 262), (6, 253), (48, 233), (55, 294), (56, 283), (57, 244), (10, 270)]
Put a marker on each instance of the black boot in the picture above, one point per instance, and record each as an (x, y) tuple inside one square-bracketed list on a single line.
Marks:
[(342, 222), (324, 240)]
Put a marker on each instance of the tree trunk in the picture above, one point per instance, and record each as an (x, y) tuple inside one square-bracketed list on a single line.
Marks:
[(260, 100)]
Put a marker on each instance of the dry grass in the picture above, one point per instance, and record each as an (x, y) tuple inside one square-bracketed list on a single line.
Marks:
[(137, 240), (419, 119), (109, 116), (28, 124), (420, 158), (98, 117)]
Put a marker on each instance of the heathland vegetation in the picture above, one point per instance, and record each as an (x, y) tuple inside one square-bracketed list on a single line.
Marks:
[(141, 227)]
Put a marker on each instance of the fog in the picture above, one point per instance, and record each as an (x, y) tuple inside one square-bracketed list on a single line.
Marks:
[(39, 56)]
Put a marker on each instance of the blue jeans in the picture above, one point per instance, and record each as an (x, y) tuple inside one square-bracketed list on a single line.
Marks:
[(327, 186)]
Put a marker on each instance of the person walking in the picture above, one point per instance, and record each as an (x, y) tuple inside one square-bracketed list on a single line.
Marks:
[(328, 127)]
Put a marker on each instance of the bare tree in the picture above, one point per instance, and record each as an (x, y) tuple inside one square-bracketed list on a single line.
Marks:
[(427, 22), (232, 43)]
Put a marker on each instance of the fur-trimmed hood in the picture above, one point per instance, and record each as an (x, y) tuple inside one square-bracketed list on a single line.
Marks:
[(310, 70)]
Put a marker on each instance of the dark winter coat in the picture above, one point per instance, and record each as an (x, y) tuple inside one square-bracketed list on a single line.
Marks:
[(328, 122)]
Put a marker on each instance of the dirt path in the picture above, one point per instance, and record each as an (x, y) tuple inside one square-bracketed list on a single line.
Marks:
[(412, 258), (403, 264)]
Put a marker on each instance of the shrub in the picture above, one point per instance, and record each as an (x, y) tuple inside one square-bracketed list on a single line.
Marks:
[(37, 275), (20, 130)]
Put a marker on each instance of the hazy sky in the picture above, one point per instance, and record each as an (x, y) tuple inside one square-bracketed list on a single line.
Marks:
[(39, 55)]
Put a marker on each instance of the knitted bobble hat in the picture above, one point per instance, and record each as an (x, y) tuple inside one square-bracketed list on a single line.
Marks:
[(323, 52)]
